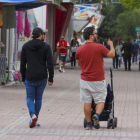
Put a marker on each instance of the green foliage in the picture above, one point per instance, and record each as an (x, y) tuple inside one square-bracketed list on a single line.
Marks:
[(119, 21), (108, 27), (127, 23), (131, 4)]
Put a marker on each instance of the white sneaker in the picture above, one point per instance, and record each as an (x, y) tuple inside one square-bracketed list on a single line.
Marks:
[(33, 121), (63, 70), (114, 69), (37, 124), (60, 70)]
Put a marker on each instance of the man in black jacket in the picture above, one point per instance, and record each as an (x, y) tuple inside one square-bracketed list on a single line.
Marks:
[(127, 47), (34, 56)]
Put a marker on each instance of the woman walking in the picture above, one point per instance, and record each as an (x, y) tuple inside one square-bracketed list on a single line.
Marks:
[(115, 59), (118, 52), (73, 50)]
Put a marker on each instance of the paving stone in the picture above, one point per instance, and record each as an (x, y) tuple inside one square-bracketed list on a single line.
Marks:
[(61, 116)]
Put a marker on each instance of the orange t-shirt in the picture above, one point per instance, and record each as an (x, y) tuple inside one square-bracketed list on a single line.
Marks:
[(91, 61)]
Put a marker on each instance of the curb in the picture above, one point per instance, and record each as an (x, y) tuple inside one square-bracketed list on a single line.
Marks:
[(9, 84)]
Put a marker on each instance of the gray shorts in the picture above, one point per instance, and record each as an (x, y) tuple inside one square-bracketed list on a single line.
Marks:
[(96, 90), (62, 57)]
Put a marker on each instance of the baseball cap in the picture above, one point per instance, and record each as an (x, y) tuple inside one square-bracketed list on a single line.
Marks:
[(45, 31), (37, 31)]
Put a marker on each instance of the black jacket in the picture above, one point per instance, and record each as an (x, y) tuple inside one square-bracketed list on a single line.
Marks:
[(127, 48), (34, 56)]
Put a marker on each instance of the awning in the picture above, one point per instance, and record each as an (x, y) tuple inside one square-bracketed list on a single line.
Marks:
[(30, 4), (16, 1)]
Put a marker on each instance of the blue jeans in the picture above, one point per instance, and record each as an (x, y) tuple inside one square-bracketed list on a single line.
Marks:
[(115, 61), (139, 66), (34, 92), (120, 60), (135, 57)]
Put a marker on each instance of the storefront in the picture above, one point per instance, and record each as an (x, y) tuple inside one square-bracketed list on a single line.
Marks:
[(7, 31)]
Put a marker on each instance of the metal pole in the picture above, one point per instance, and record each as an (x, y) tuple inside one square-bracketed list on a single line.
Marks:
[(15, 49), (138, 34), (0, 40), (101, 5), (9, 56)]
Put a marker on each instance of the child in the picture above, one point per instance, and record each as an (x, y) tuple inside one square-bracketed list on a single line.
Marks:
[(139, 59)]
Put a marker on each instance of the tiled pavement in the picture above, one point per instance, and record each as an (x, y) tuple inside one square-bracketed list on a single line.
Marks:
[(62, 114)]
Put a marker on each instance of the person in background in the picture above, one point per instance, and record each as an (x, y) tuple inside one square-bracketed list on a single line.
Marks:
[(105, 42), (121, 43), (6, 65), (118, 52), (127, 47), (115, 59), (44, 35), (96, 38), (62, 46), (77, 42), (101, 41), (7, 70), (73, 50), (98, 41), (107, 46), (135, 51), (139, 59)]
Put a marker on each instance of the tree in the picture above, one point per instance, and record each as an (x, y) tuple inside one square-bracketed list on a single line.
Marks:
[(131, 4), (127, 23), (108, 26)]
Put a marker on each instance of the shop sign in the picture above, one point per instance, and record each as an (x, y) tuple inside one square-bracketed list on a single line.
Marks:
[(1, 15)]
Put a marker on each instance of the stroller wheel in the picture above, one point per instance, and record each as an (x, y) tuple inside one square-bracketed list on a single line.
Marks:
[(108, 123), (116, 121), (113, 123), (85, 122)]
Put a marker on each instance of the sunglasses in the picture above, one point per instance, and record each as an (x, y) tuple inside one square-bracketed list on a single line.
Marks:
[(94, 34), (62, 38)]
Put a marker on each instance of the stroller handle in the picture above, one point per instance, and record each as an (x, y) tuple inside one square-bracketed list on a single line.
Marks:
[(111, 75)]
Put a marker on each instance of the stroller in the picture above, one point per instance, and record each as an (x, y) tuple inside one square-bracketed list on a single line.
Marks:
[(108, 112)]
